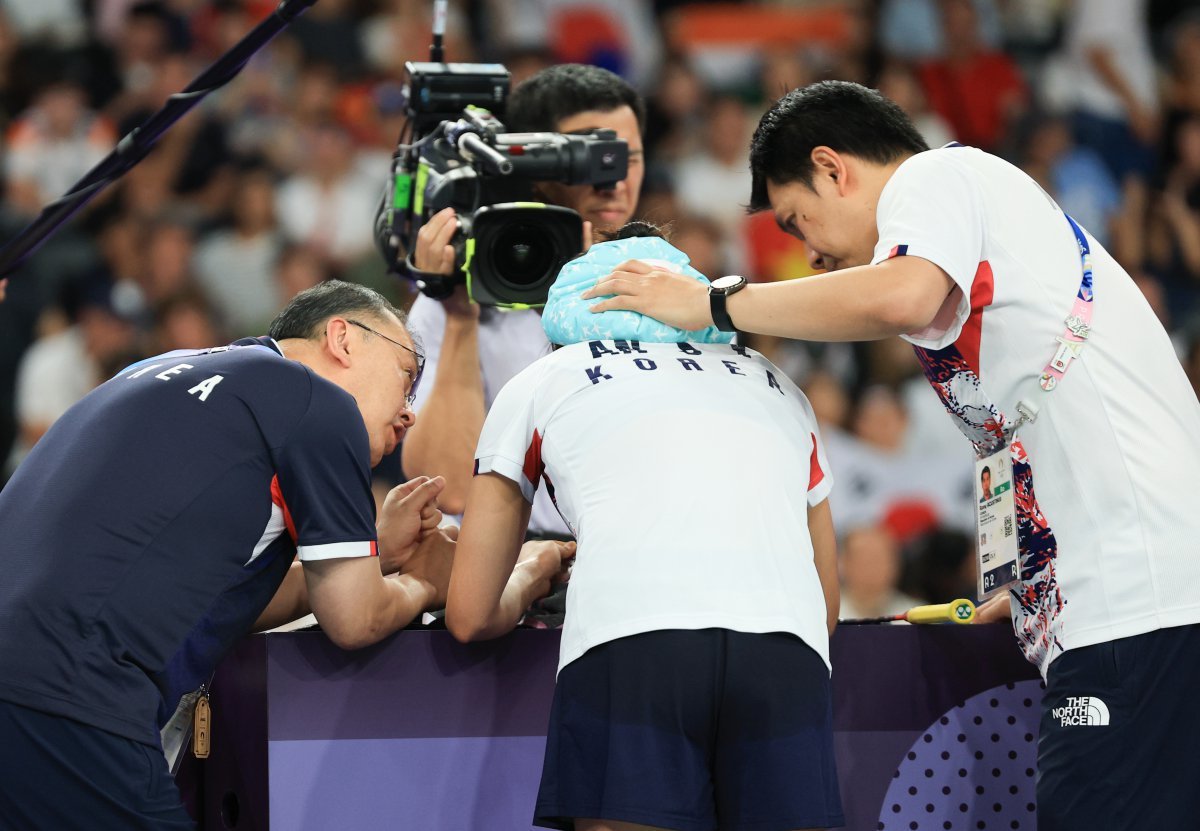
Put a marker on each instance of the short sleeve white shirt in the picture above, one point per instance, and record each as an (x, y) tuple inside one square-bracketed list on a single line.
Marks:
[(1107, 521), (685, 471)]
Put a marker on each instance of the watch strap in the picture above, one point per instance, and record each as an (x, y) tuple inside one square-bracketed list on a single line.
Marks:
[(718, 305)]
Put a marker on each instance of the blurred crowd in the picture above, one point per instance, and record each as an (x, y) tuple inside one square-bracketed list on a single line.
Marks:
[(271, 184)]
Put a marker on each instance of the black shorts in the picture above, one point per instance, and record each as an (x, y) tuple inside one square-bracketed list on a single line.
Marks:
[(695, 731), (57, 773), (1119, 733)]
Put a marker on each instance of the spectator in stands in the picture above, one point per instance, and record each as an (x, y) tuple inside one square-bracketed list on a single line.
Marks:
[(62, 367), (869, 563), (51, 146), (719, 167), (912, 29), (702, 239), (330, 34), (899, 83), (966, 66), (1116, 106), (330, 203), (675, 113), (167, 266), (192, 158), (299, 268), (1181, 81), (236, 265), (883, 480), (942, 566), (1074, 175), (398, 31), (185, 321), (1173, 232), (783, 68), (143, 35)]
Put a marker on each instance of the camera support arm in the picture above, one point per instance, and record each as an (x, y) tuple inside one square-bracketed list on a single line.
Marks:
[(141, 140), (476, 149)]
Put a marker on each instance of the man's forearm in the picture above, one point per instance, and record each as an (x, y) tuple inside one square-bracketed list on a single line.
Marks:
[(442, 442), (519, 593), (824, 542), (289, 603), (1187, 234), (409, 596), (1101, 60), (864, 303), (833, 603), (400, 599)]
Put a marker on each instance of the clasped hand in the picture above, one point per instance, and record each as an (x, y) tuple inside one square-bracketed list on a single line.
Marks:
[(408, 517)]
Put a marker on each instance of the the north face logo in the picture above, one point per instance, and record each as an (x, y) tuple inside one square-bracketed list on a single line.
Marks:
[(1082, 711)]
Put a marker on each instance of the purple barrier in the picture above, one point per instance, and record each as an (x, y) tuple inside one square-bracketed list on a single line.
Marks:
[(935, 729)]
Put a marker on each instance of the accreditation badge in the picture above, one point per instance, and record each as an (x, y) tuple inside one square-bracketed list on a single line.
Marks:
[(997, 548)]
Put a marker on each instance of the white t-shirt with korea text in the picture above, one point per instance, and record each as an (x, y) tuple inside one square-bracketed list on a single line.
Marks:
[(1106, 473), (685, 471)]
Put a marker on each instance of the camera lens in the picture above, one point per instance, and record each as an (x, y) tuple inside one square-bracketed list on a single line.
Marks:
[(519, 248), (521, 254)]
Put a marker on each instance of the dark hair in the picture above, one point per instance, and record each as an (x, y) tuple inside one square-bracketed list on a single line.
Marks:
[(544, 99), (636, 228), (304, 316), (841, 115), (986, 470)]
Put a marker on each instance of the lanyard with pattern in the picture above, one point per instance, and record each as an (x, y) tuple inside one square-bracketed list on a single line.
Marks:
[(1077, 327)]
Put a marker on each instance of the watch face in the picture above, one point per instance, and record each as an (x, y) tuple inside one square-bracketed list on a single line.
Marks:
[(728, 282)]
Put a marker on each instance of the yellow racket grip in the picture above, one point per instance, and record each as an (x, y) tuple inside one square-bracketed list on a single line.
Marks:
[(956, 611)]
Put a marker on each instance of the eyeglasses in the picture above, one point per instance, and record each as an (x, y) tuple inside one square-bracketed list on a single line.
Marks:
[(411, 398)]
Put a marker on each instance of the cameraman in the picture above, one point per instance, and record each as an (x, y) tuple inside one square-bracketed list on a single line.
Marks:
[(473, 352)]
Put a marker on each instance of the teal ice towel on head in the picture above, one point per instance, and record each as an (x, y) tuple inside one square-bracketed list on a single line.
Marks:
[(567, 320)]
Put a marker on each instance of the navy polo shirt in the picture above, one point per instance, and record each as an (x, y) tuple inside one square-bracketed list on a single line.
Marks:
[(153, 523)]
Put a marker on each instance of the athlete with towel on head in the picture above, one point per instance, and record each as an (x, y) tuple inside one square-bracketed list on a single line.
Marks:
[(693, 688)]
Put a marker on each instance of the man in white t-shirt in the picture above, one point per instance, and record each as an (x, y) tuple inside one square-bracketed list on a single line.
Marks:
[(693, 688), (473, 352), (1008, 304)]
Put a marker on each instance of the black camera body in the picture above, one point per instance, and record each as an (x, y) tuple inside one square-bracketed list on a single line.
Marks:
[(509, 245)]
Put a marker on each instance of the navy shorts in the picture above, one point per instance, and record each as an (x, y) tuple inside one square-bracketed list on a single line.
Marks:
[(1118, 744), (695, 731), (57, 773)]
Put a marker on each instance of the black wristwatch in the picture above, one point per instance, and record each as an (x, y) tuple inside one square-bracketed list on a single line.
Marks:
[(718, 291)]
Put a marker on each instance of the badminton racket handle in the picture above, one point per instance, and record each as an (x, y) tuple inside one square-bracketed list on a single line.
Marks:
[(956, 611)]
